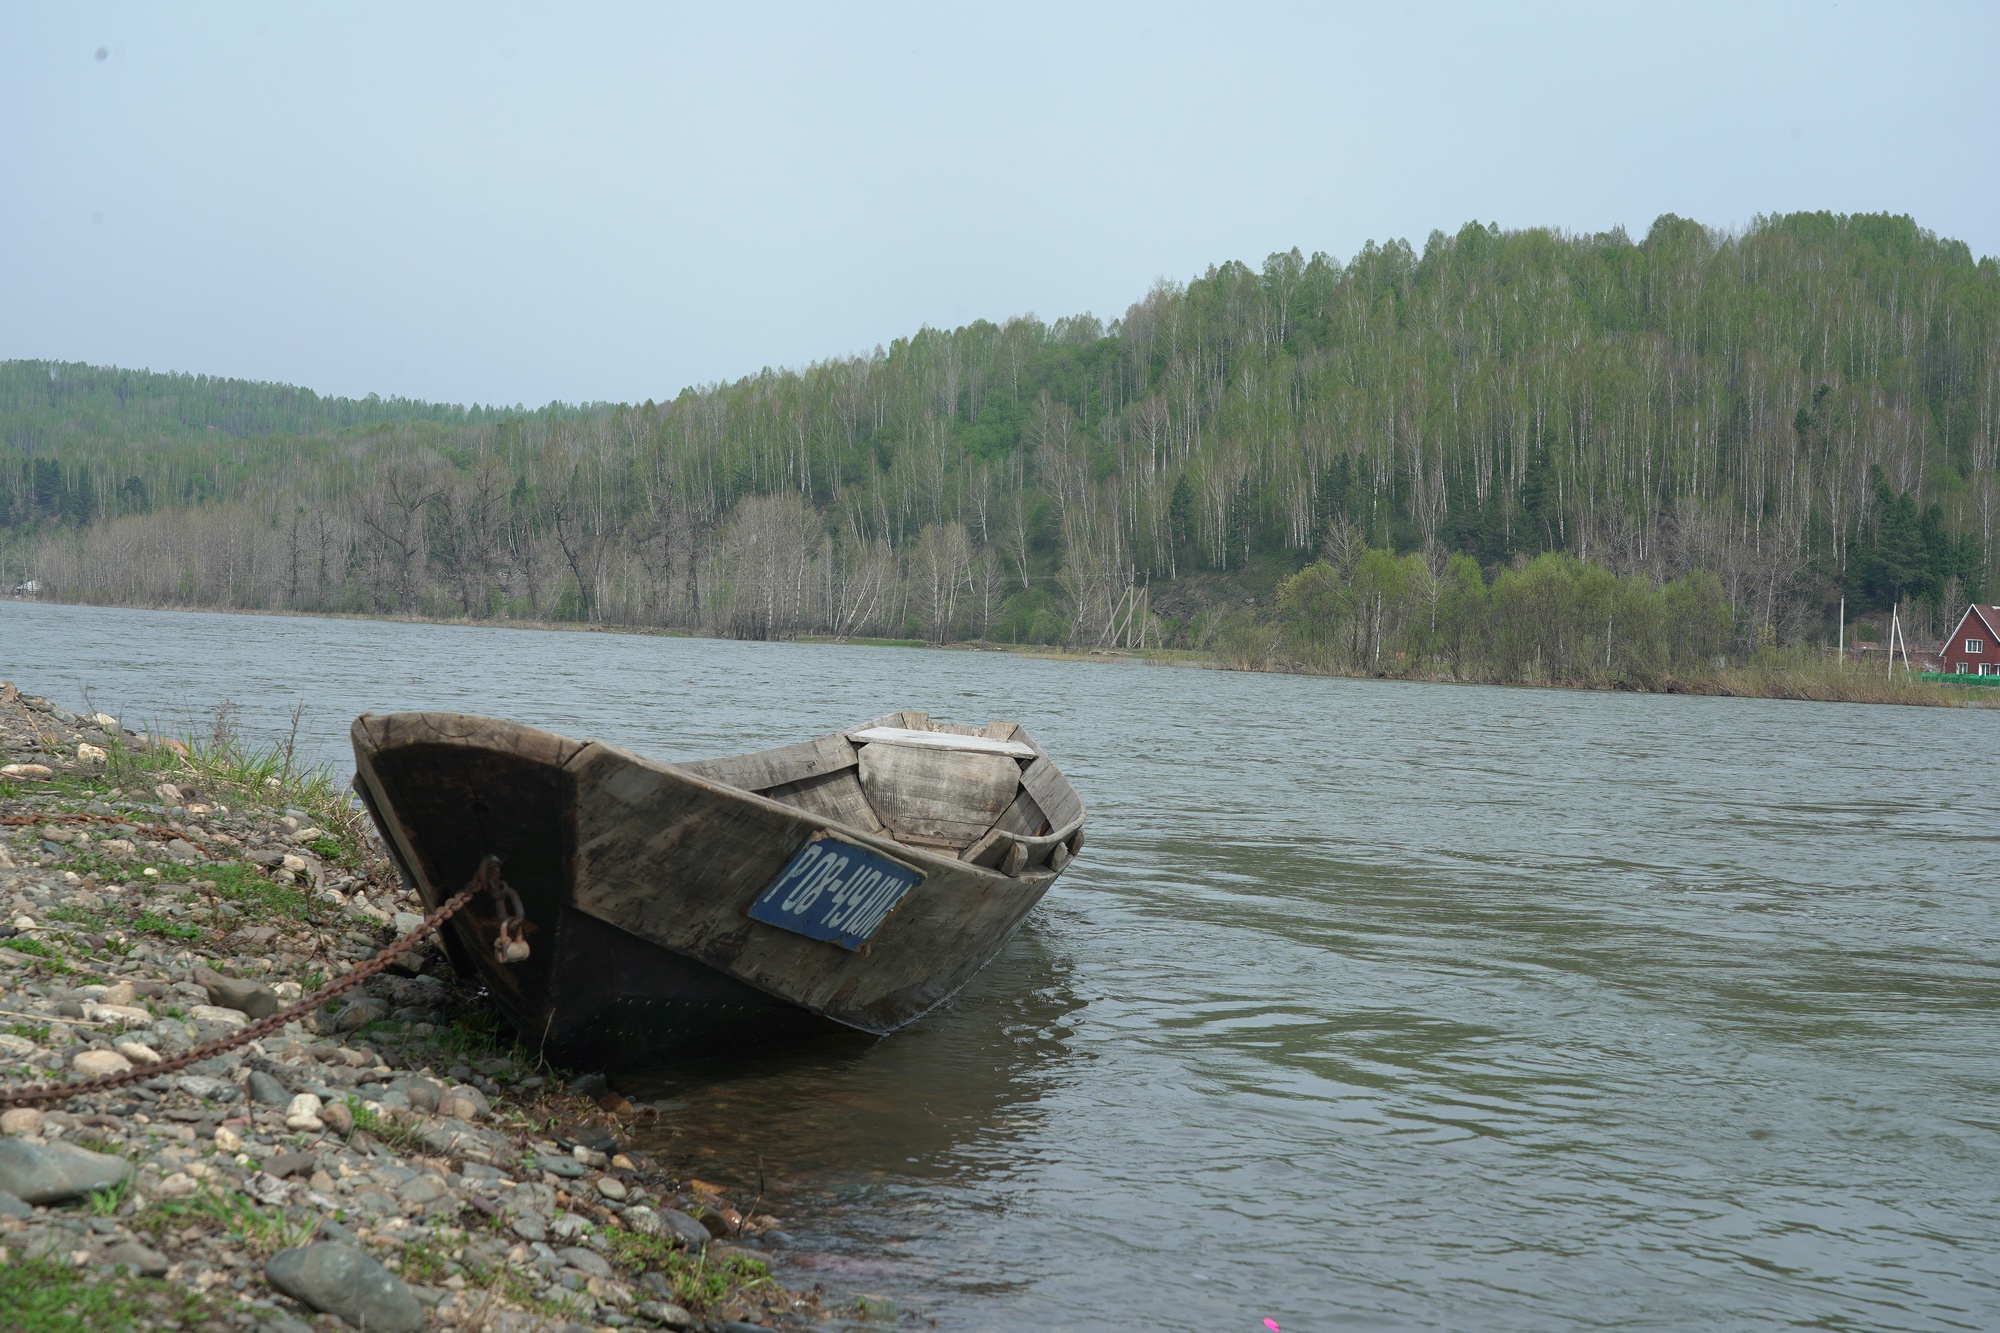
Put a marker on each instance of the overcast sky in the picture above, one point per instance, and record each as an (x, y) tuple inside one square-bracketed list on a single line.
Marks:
[(504, 204)]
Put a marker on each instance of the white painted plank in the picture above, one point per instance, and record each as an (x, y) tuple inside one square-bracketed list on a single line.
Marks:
[(942, 741)]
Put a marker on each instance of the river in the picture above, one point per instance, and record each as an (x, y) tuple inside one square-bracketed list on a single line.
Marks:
[(1369, 1005)]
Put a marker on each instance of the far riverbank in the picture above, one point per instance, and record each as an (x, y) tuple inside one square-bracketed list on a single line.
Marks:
[(1796, 674)]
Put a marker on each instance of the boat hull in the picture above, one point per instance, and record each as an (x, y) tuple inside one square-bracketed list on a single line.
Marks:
[(637, 878)]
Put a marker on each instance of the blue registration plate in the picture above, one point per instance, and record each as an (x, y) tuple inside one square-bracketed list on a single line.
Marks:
[(835, 890)]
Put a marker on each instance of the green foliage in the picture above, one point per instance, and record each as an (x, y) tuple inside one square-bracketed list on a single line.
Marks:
[(1554, 619), (698, 1281), (51, 1296), (1694, 401), (152, 923), (260, 1231)]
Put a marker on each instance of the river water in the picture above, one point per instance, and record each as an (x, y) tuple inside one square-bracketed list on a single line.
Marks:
[(1368, 1006)]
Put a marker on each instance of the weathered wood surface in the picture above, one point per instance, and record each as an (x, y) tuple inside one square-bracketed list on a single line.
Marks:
[(833, 796), (447, 789), (766, 769), (678, 860), (949, 797), (675, 858)]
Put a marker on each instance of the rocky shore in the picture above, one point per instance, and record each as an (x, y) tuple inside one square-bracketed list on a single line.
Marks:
[(391, 1163)]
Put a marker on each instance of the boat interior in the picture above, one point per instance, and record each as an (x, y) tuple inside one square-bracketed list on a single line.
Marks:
[(986, 796)]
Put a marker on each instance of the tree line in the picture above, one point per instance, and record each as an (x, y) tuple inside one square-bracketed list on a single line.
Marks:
[(1807, 410)]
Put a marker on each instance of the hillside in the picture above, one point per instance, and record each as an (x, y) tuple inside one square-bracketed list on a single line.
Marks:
[(1807, 410)]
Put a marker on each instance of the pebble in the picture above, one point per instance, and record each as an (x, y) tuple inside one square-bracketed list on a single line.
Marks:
[(21, 1120), (146, 1262), (252, 998), (95, 1064), (14, 1206), (689, 1232), (338, 1117), (664, 1314), (566, 1167), (138, 1052), (611, 1188), (303, 1113), (50, 1172), (584, 1261), (343, 1281), (265, 1090), (203, 1085)]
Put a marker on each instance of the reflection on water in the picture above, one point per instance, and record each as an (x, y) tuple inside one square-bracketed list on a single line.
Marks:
[(1367, 1006), (879, 1141)]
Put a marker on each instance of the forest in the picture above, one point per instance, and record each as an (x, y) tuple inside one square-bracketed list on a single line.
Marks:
[(1736, 429)]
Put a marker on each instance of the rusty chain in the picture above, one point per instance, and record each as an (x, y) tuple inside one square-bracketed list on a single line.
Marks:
[(487, 878)]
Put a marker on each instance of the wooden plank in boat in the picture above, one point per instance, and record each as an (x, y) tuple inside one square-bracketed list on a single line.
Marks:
[(1022, 815), (1051, 790), (833, 796), (940, 740), (949, 797), (772, 768)]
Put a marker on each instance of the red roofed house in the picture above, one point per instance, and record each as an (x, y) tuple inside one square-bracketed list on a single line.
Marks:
[(1973, 649)]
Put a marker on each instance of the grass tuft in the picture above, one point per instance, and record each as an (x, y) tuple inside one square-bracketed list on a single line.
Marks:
[(46, 1296)]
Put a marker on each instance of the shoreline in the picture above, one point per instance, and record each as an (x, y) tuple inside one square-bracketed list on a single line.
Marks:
[(398, 1161), (1819, 682)]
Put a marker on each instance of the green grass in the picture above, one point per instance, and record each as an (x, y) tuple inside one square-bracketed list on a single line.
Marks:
[(698, 1281), (22, 944), (152, 923), (106, 1203), (47, 1296), (244, 885), (393, 1133), (260, 1231)]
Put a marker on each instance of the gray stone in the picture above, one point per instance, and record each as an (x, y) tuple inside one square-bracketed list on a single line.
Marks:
[(664, 1313), (684, 1228), (214, 1089), (133, 1255), (48, 1172), (284, 1323), (291, 1164), (585, 1261), (423, 1093), (455, 1138), (267, 1091), (252, 997), (566, 1167), (342, 1281), (11, 1206), (360, 1011), (331, 1230), (423, 1190), (529, 1226)]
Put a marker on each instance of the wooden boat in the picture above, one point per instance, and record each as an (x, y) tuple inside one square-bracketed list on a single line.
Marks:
[(652, 910)]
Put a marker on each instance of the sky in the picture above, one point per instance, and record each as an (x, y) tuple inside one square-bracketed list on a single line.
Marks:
[(515, 204)]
